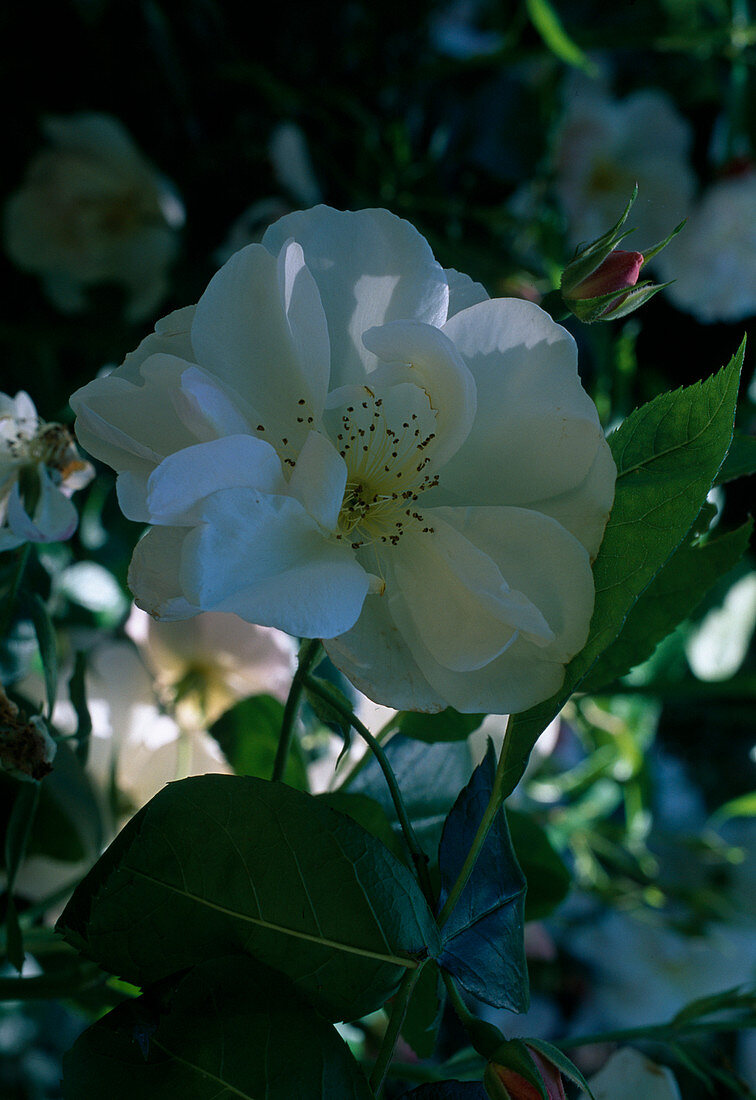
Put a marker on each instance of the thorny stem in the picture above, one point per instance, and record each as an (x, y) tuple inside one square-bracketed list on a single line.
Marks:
[(396, 1019), (489, 816), (307, 657), (383, 734), (419, 858)]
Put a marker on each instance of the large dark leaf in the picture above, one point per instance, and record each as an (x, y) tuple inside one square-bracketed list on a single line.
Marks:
[(429, 777), (227, 1030), (483, 945), (218, 864)]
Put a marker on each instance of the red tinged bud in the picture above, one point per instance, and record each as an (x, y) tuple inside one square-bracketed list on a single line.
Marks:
[(619, 271), (504, 1083)]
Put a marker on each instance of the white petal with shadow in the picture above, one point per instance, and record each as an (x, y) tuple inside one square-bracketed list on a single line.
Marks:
[(319, 480), (264, 558), (178, 487), (370, 267), (433, 364), (260, 328), (154, 574), (536, 432)]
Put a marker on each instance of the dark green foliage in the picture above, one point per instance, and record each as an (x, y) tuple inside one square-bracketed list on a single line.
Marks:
[(221, 864), (226, 1029)]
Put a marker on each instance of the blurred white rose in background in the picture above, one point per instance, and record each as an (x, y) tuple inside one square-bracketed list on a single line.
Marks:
[(144, 733), (713, 259), (603, 147), (641, 972), (91, 210), (40, 467), (135, 745), (204, 665)]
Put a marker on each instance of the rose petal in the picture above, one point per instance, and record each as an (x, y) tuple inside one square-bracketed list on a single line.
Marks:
[(55, 517), (319, 480), (376, 658), (459, 604), (265, 558), (370, 267), (463, 291), (261, 329), (178, 487), (154, 574), (436, 367), (536, 432)]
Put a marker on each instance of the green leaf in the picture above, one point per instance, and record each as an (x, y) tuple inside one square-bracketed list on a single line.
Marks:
[(547, 875), (248, 734), (448, 725), (740, 461), (672, 596), (561, 1061), (483, 944), (429, 777), (77, 693), (424, 1012), (743, 806), (229, 1029), (546, 21), (667, 454), (218, 864), (45, 631), (736, 999), (368, 813)]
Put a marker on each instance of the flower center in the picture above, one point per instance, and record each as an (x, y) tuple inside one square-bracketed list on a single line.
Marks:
[(383, 442)]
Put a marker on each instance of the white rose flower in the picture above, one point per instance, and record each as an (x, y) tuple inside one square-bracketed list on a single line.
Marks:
[(204, 665), (40, 468), (603, 147), (345, 442), (713, 260), (92, 210)]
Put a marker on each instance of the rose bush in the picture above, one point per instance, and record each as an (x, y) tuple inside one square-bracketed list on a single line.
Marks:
[(345, 441)]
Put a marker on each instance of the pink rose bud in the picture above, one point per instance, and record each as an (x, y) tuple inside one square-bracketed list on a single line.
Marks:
[(600, 283), (619, 271), (503, 1083)]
